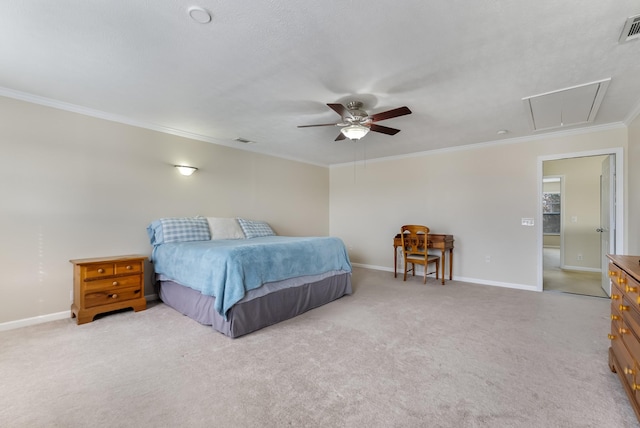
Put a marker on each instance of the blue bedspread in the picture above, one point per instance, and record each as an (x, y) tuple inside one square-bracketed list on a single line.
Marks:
[(227, 269)]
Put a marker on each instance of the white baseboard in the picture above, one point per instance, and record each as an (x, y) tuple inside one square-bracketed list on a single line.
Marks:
[(11, 325), (460, 278), (581, 268), (34, 320)]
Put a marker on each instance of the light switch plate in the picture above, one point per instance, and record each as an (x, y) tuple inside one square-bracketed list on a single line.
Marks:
[(527, 222)]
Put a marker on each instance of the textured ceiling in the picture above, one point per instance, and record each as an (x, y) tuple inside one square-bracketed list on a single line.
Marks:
[(261, 68)]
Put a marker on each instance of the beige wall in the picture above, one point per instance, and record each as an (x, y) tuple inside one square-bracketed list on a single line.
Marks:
[(74, 186), (581, 209), (477, 194), (633, 190)]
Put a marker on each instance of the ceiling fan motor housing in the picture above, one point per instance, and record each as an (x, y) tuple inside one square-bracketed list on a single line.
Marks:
[(358, 115)]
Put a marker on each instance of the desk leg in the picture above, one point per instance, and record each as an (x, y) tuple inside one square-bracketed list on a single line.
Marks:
[(442, 261), (450, 264)]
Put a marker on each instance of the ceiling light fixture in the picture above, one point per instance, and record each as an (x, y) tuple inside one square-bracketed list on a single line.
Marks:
[(186, 170), (199, 15), (355, 132)]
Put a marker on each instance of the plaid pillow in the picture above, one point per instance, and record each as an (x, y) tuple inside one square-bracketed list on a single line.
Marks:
[(255, 229), (182, 229)]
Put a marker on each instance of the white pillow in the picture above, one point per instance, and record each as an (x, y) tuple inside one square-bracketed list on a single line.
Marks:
[(224, 228)]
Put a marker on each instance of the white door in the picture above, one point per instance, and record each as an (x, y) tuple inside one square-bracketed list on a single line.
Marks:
[(607, 227)]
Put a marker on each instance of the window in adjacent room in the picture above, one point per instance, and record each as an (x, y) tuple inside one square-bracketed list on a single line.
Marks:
[(551, 213)]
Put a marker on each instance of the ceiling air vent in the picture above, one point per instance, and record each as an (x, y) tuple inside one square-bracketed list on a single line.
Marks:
[(244, 141), (631, 30)]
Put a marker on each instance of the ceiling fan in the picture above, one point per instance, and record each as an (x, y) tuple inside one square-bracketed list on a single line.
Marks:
[(356, 123)]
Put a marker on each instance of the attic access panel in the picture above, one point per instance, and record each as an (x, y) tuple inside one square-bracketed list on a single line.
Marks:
[(565, 107)]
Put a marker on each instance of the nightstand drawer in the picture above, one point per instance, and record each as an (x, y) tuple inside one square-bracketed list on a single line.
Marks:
[(113, 283), (106, 297), (98, 270), (128, 267)]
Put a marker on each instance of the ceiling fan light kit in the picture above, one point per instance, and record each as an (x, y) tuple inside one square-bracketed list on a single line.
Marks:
[(356, 123), (355, 132)]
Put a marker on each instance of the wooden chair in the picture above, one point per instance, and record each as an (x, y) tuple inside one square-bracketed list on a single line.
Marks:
[(414, 250)]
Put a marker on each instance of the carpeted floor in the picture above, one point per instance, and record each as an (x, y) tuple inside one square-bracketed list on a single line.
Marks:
[(394, 354)]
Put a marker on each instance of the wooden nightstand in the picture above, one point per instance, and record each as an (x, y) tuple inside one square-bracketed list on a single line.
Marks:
[(107, 284)]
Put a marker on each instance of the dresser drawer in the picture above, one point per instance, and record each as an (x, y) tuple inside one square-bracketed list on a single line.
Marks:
[(113, 283), (106, 297), (627, 363)]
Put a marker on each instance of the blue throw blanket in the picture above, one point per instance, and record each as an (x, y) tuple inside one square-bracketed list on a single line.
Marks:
[(227, 269)]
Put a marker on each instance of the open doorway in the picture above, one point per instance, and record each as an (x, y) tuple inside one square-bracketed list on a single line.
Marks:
[(570, 222)]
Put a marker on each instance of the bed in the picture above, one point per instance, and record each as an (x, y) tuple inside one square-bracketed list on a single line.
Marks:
[(238, 276)]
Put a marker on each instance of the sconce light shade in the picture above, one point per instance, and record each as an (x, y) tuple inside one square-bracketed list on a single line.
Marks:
[(355, 132), (186, 170)]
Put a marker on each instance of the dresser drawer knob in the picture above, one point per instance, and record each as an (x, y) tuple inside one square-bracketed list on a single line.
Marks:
[(629, 289), (613, 273), (129, 267), (615, 317), (100, 270), (629, 371), (623, 330), (115, 283), (114, 296), (614, 297), (611, 336), (635, 386), (622, 280), (623, 308)]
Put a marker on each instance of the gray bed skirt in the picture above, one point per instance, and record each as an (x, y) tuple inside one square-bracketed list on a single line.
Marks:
[(253, 314)]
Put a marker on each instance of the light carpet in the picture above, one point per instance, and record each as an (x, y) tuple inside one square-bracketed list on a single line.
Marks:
[(394, 354)]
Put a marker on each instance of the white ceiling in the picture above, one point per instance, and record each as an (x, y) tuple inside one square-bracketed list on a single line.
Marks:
[(260, 68)]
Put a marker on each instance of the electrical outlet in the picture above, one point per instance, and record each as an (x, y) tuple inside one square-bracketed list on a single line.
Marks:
[(579, 256), (487, 259)]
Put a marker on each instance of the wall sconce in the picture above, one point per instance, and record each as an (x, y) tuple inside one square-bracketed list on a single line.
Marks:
[(186, 170)]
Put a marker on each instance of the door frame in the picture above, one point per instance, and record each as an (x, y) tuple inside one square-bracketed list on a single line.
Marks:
[(618, 200)]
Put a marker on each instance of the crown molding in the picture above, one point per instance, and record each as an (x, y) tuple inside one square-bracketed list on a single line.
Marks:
[(99, 114)]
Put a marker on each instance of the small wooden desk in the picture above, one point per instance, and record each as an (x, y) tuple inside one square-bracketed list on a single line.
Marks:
[(437, 242)]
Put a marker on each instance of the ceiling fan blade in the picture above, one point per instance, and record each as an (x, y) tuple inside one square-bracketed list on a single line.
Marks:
[(400, 111), (322, 124), (340, 137), (341, 110), (384, 129)]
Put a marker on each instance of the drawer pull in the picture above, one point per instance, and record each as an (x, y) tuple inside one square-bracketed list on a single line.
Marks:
[(622, 280), (613, 273), (614, 297), (635, 386), (629, 371), (129, 267), (630, 289), (115, 282), (615, 317), (114, 296), (623, 330), (611, 336), (623, 308), (100, 270)]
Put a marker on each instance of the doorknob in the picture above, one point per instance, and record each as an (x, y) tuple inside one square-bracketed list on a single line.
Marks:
[(599, 229)]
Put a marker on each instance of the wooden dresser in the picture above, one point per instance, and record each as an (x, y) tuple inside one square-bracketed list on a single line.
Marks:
[(107, 284), (624, 353)]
